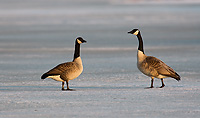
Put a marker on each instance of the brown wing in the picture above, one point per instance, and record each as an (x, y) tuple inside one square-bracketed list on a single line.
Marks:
[(161, 67), (59, 69)]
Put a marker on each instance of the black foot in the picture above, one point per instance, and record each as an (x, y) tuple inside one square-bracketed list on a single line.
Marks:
[(149, 87), (162, 86), (68, 90)]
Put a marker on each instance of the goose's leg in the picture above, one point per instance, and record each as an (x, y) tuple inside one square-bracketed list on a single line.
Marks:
[(67, 85), (63, 83), (162, 83), (68, 89), (152, 79)]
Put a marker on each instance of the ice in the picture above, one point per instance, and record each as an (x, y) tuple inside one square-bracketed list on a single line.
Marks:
[(109, 89)]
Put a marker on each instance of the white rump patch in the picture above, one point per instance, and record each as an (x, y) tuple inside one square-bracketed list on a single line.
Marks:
[(56, 77), (161, 76)]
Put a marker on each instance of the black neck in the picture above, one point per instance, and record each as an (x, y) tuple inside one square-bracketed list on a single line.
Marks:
[(140, 42), (77, 50)]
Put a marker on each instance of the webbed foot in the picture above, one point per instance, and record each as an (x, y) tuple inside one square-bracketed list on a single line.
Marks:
[(148, 87), (68, 90), (162, 86)]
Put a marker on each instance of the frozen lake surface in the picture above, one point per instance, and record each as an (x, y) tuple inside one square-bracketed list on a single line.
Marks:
[(37, 35)]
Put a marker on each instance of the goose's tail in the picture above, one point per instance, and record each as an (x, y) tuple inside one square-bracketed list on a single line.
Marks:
[(177, 77), (44, 76)]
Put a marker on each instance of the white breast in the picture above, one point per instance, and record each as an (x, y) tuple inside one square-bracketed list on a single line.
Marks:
[(76, 70), (140, 56)]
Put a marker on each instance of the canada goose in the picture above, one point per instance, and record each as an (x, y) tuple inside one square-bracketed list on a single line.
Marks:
[(69, 70), (151, 66)]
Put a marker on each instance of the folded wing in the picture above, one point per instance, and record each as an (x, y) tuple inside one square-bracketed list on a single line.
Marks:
[(161, 67), (59, 69)]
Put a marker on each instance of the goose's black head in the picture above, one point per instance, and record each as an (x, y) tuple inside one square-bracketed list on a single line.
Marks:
[(80, 40), (134, 31)]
